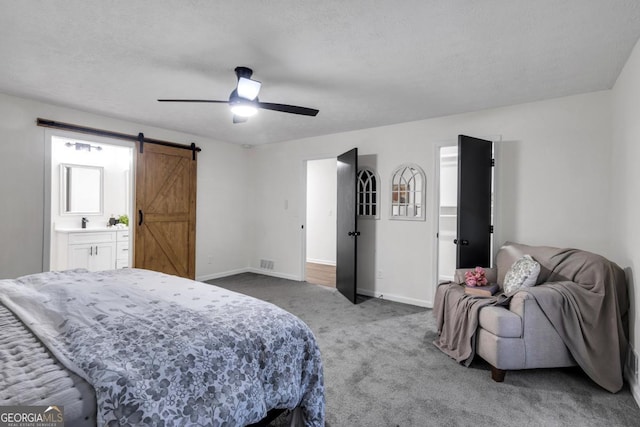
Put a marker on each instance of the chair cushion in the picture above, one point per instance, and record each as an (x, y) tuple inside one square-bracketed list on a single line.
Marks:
[(500, 321), (522, 274)]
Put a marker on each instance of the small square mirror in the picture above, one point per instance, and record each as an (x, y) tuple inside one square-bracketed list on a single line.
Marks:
[(81, 189)]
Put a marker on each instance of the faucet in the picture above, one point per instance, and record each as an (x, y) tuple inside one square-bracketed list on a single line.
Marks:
[(84, 222)]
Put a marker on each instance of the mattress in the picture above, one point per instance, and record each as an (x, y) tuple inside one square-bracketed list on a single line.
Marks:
[(30, 375)]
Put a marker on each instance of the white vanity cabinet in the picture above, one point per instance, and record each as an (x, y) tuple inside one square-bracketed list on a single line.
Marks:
[(93, 249)]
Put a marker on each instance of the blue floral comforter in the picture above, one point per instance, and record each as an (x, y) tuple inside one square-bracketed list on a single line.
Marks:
[(165, 351)]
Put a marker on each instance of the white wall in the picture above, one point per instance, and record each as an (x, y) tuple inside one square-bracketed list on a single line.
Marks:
[(553, 186), (221, 234), (321, 211), (625, 200)]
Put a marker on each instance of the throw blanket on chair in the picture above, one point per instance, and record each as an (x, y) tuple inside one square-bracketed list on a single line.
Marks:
[(584, 296), (457, 320)]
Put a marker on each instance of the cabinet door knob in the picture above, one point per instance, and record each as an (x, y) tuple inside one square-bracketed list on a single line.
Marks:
[(96, 250), (91, 252)]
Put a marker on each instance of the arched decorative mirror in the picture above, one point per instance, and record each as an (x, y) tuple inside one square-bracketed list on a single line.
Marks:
[(408, 193)]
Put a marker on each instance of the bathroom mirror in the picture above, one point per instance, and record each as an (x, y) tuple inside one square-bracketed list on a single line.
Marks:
[(81, 189)]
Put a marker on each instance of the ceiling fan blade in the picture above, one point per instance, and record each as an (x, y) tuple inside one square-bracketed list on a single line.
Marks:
[(213, 101), (293, 109), (239, 119)]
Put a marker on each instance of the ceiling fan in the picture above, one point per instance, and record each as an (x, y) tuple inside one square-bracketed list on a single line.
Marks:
[(244, 101)]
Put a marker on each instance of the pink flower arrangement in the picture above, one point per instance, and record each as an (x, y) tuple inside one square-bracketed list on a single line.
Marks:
[(475, 277)]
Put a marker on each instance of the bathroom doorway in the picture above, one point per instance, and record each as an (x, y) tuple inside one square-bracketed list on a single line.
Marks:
[(91, 201)]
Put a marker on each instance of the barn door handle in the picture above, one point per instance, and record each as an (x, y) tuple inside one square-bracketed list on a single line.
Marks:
[(354, 233), (140, 217), (462, 242)]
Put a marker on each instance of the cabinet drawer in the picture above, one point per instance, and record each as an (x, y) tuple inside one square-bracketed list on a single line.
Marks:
[(123, 251), (123, 235), (80, 238), (122, 263)]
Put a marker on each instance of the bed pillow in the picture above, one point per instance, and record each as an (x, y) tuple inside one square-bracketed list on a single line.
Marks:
[(522, 274)]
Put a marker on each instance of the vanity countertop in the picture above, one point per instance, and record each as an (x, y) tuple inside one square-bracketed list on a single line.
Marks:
[(89, 229)]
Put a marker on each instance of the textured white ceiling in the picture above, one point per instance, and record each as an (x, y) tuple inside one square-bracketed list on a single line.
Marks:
[(361, 63)]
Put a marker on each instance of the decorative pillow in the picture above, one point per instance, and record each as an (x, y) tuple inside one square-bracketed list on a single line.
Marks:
[(522, 274)]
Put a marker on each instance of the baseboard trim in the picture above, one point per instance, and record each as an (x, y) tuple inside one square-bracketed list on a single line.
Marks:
[(396, 298), (321, 261), (274, 274), (221, 274)]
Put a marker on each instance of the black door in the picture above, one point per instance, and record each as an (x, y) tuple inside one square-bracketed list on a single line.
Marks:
[(347, 224), (473, 241)]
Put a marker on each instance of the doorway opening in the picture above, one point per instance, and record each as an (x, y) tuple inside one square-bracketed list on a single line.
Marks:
[(90, 202), (466, 205), (447, 212), (321, 204)]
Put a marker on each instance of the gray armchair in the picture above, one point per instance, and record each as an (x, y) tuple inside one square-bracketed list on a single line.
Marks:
[(576, 314), (518, 336)]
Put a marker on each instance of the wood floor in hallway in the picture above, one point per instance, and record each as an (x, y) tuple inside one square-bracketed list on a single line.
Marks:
[(321, 274)]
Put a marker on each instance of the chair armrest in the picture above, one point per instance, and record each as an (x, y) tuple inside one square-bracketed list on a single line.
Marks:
[(520, 300), (490, 273)]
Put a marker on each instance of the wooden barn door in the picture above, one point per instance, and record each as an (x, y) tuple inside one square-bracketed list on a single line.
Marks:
[(165, 223)]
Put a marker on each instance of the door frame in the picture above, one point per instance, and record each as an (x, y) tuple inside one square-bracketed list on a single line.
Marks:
[(52, 132)]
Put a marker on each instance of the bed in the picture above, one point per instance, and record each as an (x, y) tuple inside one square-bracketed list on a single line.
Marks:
[(144, 348)]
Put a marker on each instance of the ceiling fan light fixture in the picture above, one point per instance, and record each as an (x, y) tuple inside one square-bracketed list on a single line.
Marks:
[(248, 89), (243, 109)]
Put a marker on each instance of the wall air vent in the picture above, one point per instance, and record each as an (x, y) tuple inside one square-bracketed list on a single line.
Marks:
[(266, 264)]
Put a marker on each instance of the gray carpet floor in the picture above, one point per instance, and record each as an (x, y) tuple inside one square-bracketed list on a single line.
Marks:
[(381, 369)]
